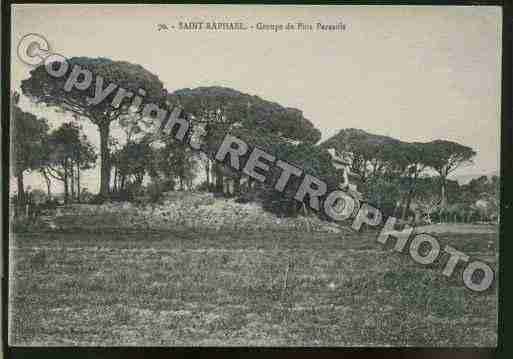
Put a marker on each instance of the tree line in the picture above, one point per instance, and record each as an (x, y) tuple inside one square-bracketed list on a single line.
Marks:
[(391, 173)]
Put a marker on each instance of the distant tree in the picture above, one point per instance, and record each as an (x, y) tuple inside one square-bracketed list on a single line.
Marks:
[(383, 194), (428, 198), (49, 90), (68, 152), (132, 162), (37, 196), (86, 196), (216, 104), (400, 162), (175, 163), (28, 135), (415, 157), (387, 168), (482, 194), (373, 155), (220, 109), (444, 158), (312, 159)]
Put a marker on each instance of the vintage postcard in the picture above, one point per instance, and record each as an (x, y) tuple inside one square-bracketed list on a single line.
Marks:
[(254, 175)]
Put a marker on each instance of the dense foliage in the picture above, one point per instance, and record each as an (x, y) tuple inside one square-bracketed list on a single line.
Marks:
[(404, 179)]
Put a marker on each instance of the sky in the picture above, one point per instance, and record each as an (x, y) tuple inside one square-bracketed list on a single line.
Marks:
[(413, 73)]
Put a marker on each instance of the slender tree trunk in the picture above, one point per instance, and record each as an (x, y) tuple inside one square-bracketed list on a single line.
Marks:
[(21, 188), (78, 176), (236, 186), (104, 128), (72, 177), (49, 188), (401, 206), (139, 180), (443, 203), (48, 183), (115, 189), (207, 172), (78, 182), (213, 173), (66, 189), (219, 178), (406, 207), (443, 200), (409, 197), (417, 216)]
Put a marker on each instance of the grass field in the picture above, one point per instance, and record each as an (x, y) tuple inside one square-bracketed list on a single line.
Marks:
[(222, 288)]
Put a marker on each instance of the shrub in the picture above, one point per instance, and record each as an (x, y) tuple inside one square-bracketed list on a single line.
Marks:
[(279, 203), (121, 196), (205, 187), (155, 190), (383, 194), (247, 197), (26, 225)]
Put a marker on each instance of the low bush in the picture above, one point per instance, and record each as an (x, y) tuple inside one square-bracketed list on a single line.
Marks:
[(279, 204), (26, 225), (205, 187), (155, 190)]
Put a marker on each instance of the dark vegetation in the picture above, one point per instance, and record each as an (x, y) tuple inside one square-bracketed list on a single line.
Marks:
[(407, 180)]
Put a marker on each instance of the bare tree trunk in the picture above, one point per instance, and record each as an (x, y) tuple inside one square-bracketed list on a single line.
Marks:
[(417, 216), (236, 186), (207, 171), (404, 207), (48, 183), (104, 128), (219, 178), (21, 188), (78, 182), (78, 176), (443, 203), (66, 189), (72, 176), (139, 180), (115, 181), (308, 227)]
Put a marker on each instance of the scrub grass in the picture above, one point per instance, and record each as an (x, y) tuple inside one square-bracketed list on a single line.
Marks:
[(231, 288)]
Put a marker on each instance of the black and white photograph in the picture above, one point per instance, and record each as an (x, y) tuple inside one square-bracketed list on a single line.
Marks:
[(253, 175)]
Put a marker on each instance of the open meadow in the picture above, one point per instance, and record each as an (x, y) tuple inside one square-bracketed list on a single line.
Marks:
[(186, 287)]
